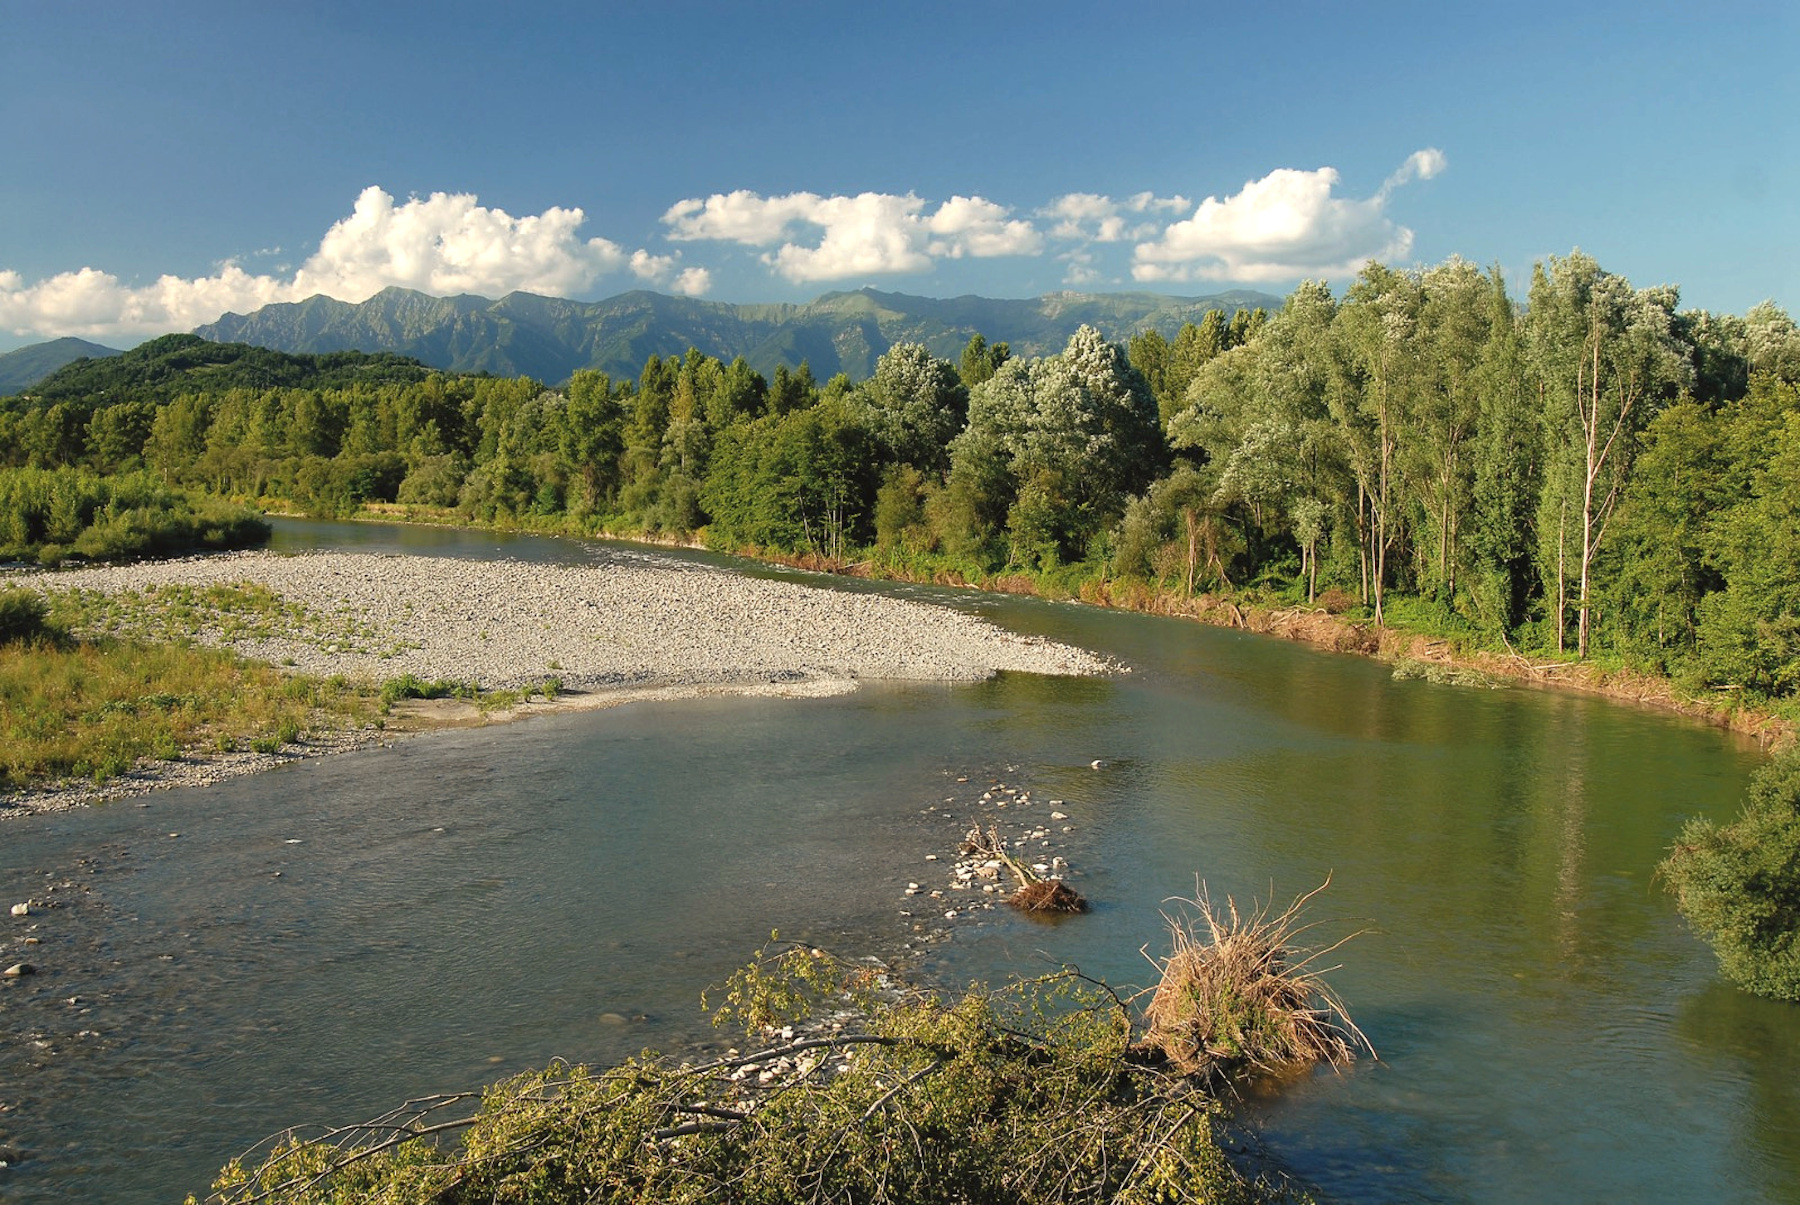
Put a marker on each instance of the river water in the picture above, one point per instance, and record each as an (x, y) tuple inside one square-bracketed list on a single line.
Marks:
[(314, 945)]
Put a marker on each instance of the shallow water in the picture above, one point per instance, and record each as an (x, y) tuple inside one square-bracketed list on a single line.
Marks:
[(320, 942)]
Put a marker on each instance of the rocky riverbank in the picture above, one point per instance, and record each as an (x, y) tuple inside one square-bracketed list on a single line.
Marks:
[(626, 626), (626, 620)]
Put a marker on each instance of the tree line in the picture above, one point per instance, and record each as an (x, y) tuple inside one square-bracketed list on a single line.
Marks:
[(1588, 470)]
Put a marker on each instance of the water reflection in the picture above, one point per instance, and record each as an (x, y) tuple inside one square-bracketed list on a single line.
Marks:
[(321, 942)]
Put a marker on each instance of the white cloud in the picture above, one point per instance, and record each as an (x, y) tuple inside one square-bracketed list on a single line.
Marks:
[(739, 217), (978, 227), (833, 238), (97, 305), (1420, 165), (443, 244), (693, 282), (646, 266), (1081, 271), (447, 244), (1090, 217), (1284, 226), (660, 270)]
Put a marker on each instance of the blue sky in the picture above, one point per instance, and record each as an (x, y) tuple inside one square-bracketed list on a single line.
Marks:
[(163, 163)]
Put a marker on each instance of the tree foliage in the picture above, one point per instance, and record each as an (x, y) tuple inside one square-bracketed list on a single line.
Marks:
[(1592, 469), (1738, 884)]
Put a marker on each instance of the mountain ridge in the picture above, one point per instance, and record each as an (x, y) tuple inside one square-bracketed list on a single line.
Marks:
[(549, 338), (24, 367)]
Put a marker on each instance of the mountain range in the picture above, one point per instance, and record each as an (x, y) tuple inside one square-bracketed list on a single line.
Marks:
[(549, 338)]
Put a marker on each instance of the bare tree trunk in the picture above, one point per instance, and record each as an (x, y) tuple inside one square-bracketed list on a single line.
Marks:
[(1193, 545), (1362, 546), (1562, 577)]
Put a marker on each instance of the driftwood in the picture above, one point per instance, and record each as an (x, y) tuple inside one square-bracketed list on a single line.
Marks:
[(1034, 894)]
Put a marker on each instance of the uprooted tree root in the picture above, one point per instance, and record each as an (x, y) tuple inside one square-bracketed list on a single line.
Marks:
[(1236, 993), (1047, 895), (1034, 894)]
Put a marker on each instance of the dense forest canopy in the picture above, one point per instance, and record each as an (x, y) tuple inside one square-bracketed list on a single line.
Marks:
[(1588, 469)]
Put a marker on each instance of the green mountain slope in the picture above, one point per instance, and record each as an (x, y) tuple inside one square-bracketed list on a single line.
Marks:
[(25, 367), (163, 368)]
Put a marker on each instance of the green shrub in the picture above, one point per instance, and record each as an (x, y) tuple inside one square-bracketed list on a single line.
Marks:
[(1739, 884), (411, 686), (22, 615), (51, 514)]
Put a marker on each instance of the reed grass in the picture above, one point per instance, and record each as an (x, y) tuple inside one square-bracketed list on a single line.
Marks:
[(1237, 992)]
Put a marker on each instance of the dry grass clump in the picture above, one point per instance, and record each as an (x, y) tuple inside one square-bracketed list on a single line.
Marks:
[(1047, 895), (1236, 993)]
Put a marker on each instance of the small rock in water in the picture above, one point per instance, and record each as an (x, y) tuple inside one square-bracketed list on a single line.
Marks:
[(19, 969), (21, 909)]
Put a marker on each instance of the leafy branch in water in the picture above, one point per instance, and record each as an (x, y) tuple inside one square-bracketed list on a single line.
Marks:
[(859, 1091)]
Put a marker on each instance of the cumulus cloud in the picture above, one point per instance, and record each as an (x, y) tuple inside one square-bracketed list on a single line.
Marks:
[(447, 243), (693, 282), (442, 244), (1284, 226), (1091, 217), (97, 305), (1288, 224), (833, 238)]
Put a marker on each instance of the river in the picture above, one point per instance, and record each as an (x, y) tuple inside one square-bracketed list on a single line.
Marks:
[(313, 945)]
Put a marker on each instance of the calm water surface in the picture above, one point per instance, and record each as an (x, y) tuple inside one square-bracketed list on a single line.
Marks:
[(320, 942)]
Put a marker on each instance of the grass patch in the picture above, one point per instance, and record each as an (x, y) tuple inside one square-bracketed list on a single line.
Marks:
[(411, 686), (223, 611), (94, 708)]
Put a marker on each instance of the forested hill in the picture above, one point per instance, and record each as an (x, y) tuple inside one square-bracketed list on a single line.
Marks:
[(164, 368), (27, 366), (549, 339)]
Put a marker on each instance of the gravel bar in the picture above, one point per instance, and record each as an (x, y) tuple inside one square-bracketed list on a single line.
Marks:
[(626, 621)]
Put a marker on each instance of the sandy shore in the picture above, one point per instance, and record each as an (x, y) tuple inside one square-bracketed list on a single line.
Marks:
[(628, 626)]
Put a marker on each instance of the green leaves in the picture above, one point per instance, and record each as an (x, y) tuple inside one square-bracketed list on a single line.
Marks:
[(1739, 884)]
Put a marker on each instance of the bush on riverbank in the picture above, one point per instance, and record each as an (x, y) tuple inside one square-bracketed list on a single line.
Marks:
[(1028, 1093), (50, 515), (22, 616), (1739, 884)]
